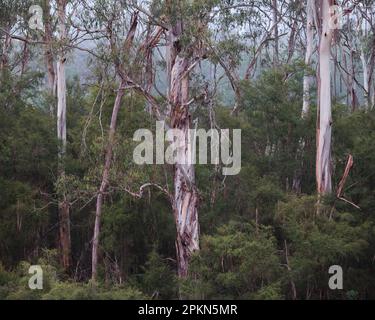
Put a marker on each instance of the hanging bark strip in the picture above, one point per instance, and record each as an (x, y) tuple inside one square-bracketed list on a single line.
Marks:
[(348, 167), (339, 193)]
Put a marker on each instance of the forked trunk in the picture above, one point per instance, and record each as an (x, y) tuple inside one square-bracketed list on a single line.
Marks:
[(104, 183), (110, 143)]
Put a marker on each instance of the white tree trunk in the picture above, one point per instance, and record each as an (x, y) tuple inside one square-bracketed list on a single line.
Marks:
[(61, 81), (308, 55), (64, 215), (307, 79), (275, 34), (365, 78), (61, 105), (48, 55), (324, 130), (185, 200)]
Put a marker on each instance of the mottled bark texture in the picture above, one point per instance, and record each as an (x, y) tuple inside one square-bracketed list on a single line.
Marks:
[(185, 199)]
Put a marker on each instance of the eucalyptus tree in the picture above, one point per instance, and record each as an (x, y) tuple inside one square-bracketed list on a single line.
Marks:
[(25, 24), (110, 18), (48, 51), (310, 48), (324, 124), (64, 206), (307, 79), (178, 26), (363, 32), (183, 52), (128, 63), (13, 28)]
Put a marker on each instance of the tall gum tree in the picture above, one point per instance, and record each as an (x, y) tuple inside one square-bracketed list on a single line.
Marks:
[(63, 206), (185, 198), (324, 122), (308, 55), (307, 80), (120, 72), (48, 54)]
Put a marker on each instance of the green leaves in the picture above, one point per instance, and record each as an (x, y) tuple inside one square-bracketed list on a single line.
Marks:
[(316, 242), (236, 262)]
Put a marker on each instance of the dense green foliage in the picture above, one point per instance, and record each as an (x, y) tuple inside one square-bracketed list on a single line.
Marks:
[(258, 238)]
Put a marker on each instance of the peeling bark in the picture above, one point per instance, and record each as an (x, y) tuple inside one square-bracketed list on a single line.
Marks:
[(185, 199), (349, 165)]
